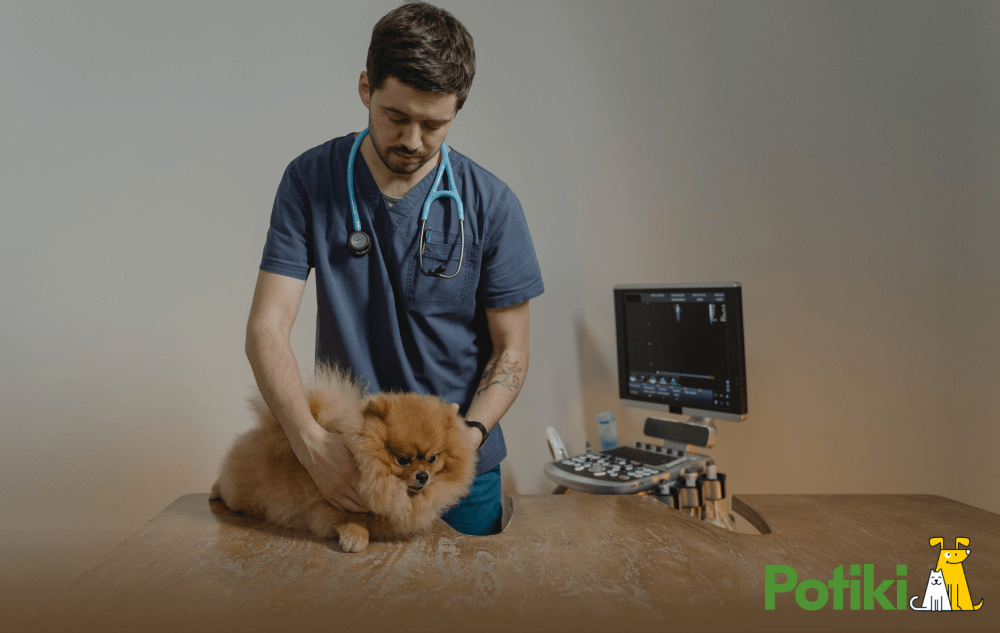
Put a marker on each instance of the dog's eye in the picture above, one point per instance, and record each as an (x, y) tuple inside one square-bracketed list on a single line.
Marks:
[(947, 554), (403, 460), (432, 459)]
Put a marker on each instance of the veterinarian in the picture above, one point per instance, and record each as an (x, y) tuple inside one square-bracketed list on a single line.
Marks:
[(464, 338)]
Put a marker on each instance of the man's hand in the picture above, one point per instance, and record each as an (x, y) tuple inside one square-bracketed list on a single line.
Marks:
[(333, 468), (276, 301)]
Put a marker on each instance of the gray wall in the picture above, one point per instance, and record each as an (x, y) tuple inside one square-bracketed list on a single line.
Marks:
[(975, 430), (838, 158)]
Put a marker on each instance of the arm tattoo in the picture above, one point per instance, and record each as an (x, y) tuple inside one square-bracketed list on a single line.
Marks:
[(505, 372)]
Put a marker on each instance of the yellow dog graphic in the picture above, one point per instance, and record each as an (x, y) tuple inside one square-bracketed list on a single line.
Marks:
[(950, 565)]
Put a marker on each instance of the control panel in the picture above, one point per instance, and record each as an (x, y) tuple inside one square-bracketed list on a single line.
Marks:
[(622, 470)]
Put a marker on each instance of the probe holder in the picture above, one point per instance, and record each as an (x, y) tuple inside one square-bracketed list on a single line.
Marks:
[(675, 434)]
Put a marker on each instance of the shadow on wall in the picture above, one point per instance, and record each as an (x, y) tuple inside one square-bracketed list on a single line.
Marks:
[(599, 392)]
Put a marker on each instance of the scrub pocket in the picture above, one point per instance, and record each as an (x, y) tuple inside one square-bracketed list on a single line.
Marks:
[(424, 290)]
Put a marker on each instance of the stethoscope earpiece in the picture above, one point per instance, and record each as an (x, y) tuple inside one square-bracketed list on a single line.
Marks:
[(359, 243)]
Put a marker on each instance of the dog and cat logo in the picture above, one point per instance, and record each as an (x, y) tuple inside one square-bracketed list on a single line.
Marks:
[(947, 587)]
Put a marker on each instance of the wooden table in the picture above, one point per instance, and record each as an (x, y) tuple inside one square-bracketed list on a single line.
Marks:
[(564, 563)]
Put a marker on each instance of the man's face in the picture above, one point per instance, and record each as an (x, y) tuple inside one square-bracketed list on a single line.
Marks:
[(406, 125)]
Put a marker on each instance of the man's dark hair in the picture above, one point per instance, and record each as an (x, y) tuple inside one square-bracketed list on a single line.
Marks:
[(423, 47)]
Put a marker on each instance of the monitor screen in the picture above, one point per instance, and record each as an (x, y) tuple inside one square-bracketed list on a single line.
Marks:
[(680, 349)]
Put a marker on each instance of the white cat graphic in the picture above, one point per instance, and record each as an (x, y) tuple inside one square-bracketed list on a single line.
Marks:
[(936, 595)]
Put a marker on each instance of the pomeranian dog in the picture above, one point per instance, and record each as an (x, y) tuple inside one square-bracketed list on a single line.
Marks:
[(411, 451)]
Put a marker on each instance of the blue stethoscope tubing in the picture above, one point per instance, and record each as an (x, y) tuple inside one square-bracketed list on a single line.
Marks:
[(360, 243)]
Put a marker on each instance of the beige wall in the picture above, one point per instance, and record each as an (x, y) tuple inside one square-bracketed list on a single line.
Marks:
[(975, 430), (839, 159)]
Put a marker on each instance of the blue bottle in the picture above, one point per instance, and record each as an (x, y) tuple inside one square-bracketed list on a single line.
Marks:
[(606, 430)]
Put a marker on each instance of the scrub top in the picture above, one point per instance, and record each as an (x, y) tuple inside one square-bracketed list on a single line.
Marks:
[(378, 315)]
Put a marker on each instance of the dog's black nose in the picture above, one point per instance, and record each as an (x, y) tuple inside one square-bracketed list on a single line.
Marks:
[(422, 477)]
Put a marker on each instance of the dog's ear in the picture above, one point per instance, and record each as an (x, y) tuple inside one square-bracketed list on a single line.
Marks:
[(961, 543), (453, 407), (937, 540), (377, 407)]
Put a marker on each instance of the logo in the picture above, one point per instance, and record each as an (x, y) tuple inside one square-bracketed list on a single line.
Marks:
[(947, 587), (858, 590)]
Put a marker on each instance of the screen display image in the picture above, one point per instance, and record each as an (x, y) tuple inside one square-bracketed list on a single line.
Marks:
[(680, 348)]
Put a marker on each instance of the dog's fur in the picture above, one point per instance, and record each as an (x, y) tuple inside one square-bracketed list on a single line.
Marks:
[(262, 477)]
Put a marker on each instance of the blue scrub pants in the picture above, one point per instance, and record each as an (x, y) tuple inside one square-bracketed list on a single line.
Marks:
[(481, 511)]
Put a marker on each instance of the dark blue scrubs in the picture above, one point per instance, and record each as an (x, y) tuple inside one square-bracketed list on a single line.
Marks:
[(378, 315)]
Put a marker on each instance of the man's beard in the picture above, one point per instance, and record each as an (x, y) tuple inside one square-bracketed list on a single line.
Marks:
[(390, 160)]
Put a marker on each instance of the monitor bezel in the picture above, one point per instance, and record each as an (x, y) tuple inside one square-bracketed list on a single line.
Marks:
[(741, 409)]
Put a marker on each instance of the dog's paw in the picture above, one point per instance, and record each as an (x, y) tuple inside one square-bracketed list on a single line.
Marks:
[(353, 537)]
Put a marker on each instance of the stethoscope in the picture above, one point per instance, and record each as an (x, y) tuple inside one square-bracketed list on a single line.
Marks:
[(360, 242)]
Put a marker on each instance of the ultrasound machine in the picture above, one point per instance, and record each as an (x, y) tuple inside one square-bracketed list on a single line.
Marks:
[(680, 351)]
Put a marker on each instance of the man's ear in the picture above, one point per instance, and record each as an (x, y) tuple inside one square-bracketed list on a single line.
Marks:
[(363, 89)]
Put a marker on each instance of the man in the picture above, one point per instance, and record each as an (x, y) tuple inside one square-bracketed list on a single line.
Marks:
[(463, 338)]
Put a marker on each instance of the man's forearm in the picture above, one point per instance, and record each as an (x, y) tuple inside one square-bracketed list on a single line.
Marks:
[(277, 374), (498, 387)]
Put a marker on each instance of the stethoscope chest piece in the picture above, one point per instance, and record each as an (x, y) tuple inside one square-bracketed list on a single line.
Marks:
[(359, 242)]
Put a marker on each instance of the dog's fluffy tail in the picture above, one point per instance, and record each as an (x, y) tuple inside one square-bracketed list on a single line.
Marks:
[(330, 391), (332, 376), (336, 399)]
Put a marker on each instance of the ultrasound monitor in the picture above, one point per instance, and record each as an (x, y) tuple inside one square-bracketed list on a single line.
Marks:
[(680, 349)]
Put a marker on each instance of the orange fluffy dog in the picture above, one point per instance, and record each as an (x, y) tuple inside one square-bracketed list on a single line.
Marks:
[(411, 453)]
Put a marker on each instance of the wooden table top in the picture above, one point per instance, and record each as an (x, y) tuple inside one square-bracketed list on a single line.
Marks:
[(564, 563)]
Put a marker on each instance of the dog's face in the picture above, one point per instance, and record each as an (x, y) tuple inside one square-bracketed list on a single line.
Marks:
[(418, 434), (954, 556), (951, 556)]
